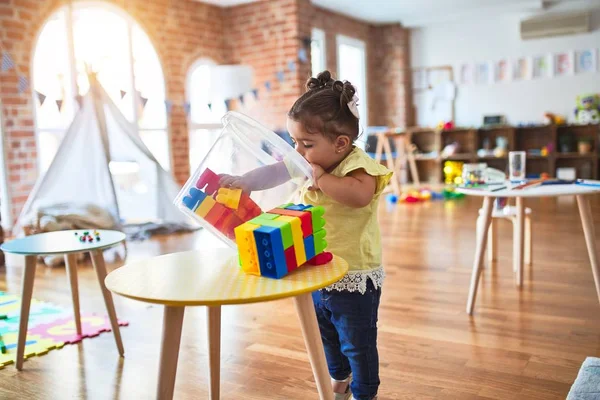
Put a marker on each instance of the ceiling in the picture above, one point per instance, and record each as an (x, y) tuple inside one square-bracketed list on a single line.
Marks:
[(415, 13)]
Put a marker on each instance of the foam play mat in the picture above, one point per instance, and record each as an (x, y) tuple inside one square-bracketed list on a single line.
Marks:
[(50, 327)]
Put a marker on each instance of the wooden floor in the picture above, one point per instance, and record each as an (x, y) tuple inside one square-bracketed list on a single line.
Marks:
[(520, 344)]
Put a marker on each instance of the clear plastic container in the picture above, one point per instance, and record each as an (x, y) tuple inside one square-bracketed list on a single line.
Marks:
[(242, 146)]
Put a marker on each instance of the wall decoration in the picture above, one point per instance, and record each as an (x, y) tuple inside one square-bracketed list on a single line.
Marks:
[(521, 69), (484, 73), (542, 67), (587, 61), (564, 63), (467, 74), (502, 71)]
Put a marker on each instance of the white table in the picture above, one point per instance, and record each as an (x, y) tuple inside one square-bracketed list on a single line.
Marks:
[(580, 191)]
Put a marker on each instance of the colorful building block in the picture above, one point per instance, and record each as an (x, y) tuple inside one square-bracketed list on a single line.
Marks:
[(321, 259), (309, 247), (229, 197), (298, 237), (193, 199), (208, 181), (290, 259), (217, 212), (318, 222), (271, 256), (297, 207), (204, 207), (244, 235), (305, 219), (247, 208), (320, 242), (273, 221)]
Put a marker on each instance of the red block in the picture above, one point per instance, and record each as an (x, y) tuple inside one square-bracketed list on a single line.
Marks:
[(321, 259), (216, 213), (247, 208), (290, 259), (305, 219), (228, 225), (210, 180)]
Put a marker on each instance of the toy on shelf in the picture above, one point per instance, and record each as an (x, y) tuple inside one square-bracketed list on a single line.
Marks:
[(445, 125), (451, 149), (275, 243), (553, 119), (588, 109), (453, 172)]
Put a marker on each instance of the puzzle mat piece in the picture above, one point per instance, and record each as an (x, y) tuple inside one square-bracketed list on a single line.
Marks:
[(39, 313), (34, 346), (63, 330)]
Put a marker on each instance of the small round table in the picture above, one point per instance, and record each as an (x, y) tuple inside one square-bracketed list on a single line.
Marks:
[(69, 244), (553, 190), (212, 278)]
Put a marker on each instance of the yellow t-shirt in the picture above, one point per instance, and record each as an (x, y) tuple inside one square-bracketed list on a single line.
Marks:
[(353, 233)]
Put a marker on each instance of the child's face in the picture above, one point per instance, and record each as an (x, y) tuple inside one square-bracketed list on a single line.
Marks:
[(317, 148)]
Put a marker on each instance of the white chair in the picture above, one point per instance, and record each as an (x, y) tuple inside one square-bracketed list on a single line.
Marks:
[(508, 213)]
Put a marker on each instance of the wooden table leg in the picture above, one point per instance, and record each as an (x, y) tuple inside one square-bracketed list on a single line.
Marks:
[(314, 344), (71, 267), (389, 159), (169, 351), (482, 234), (214, 351), (26, 292), (519, 241), (590, 238), (100, 267)]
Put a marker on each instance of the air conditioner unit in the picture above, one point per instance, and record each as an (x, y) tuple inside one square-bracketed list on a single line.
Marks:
[(555, 25)]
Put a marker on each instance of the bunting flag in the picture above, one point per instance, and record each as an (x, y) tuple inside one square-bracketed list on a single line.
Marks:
[(302, 56), (306, 41), (210, 106), (168, 106), (268, 86), (241, 98), (255, 93), (123, 93), (228, 104), (23, 84), (7, 62), (292, 66), (187, 107), (59, 104), (41, 97), (144, 100), (79, 100), (280, 76)]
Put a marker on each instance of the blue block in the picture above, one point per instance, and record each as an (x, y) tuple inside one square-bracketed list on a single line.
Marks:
[(194, 198), (309, 247), (271, 256), (297, 207)]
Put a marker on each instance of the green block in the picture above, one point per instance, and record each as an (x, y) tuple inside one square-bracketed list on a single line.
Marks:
[(263, 217), (284, 206), (318, 222), (284, 227), (320, 242)]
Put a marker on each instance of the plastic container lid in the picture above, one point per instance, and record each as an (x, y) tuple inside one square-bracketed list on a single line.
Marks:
[(242, 146)]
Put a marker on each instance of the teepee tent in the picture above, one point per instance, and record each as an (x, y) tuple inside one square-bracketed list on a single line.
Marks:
[(88, 169)]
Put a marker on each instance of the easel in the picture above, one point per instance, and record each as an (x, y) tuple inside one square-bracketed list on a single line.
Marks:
[(404, 153)]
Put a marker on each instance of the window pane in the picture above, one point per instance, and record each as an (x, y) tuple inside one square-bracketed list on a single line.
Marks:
[(201, 141), (316, 57), (199, 85), (48, 143), (352, 68), (158, 143)]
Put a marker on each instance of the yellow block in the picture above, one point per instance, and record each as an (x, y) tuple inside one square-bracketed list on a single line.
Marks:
[(206, 205), (298, 237), (244, 237)]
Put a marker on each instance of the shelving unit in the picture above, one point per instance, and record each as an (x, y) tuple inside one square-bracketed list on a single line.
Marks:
[(431, 142)]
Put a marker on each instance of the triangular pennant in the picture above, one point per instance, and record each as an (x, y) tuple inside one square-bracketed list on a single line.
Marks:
[(210, 106), (7, 62), (241, 98), (79, 99), (59, 104), (292, 66), (228, 104), (123, 93), (168, 106), (23, 84), (255, 93), (280, 76), (187, 107), (144, 100), (302, 56), (268, 86), (41, 97), (306, 41)]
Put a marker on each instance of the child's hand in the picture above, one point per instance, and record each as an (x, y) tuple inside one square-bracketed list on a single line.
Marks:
[(233, 182), (318, 172)]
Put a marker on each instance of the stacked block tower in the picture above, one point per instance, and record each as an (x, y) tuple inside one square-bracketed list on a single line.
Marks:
[(223, 208), (273, 244)]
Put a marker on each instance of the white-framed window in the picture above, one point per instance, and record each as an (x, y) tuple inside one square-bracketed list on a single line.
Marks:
[(204, 121), (317, 52), (352, 66), (109, 42)]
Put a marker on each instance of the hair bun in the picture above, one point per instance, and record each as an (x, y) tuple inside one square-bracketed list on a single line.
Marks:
[(348, 92), (323, 79)]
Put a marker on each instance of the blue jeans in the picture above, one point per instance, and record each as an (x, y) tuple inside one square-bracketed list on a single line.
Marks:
[(348, 324)]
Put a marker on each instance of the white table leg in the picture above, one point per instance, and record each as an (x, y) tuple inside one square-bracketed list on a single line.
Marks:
[(314, 344), (519, 241), (528, 241), (71, 267), (169, 351), (492, 247), (482, 233), (26, 292), (214, 351), (100, 267), (590, 238)]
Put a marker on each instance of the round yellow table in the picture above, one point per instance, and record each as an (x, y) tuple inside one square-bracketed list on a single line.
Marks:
[(213, 278)]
